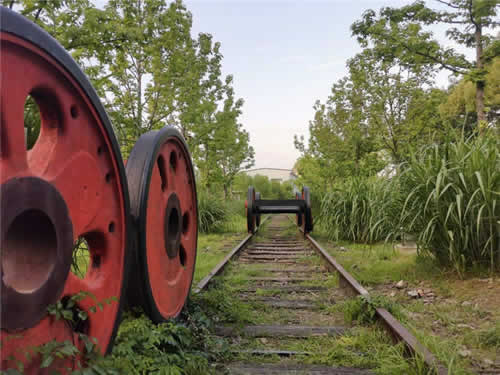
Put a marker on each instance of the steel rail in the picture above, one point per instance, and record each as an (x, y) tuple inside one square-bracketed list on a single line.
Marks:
[(397, 331), (222, 264)]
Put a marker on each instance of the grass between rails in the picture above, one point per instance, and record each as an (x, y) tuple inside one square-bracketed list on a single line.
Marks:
[(457, 319), (212, 248), (364, 346)]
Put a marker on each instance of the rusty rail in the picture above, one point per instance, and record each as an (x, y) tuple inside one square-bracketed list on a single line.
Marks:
[(222, 264)]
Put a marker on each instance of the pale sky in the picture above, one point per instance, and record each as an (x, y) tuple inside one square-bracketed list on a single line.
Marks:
[(284, 55)]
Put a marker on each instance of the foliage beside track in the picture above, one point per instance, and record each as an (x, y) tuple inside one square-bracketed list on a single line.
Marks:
[(360, 210), (216, 215), (453, 202), (173, 348), (446, 195)]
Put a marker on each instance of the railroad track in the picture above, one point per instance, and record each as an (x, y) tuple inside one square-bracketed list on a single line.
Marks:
[(284, 280)]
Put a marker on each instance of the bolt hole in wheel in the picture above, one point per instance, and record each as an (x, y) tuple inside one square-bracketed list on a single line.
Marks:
[(32, 121), (182, 256), (74, 111), (29, 251), (185, 222), (111, 227)]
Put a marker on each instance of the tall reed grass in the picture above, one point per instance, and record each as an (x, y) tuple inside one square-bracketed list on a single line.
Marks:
[(452, 202), (218, 215), (212, 212), (361, 210)]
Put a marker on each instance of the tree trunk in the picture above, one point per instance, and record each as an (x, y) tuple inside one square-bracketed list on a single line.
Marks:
[(481, 116)]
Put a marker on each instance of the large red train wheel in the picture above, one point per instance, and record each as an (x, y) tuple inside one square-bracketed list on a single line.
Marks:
[(70, 186), (164, 203), (250, 210)]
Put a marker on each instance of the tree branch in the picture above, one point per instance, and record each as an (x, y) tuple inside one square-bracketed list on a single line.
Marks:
[(471, 16), (38, 14), (448, 4)]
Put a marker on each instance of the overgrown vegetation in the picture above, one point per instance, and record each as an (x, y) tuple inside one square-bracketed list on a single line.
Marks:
[(268, 189), (212, 212), (182, 347), (363, 310), (453, 203), (218, 215), (360, 210), (446, 195)]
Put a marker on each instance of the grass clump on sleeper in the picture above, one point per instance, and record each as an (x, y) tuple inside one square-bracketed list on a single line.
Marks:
[(362, 347), (222, 305), (363, 310), (491, 337)]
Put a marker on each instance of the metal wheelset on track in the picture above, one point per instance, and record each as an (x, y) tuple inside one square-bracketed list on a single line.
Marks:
[(301, 206), (139, 222)]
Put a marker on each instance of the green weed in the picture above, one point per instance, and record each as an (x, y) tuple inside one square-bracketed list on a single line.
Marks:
[(452, 202), (363, 309), (360, 210)]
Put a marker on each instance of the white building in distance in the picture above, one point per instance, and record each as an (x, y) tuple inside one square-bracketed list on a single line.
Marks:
[(273, 174)]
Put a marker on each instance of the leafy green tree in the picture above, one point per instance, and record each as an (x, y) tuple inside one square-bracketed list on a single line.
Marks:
[(150, 72), (143, 75), (339, 137), (460, 105), (397, 110), (311, 174), (225, 148), (263, 185), (400, 33)]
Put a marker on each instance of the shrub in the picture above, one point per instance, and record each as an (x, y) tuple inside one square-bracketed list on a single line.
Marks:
[(452, 202), (235, 221), (212, 212), (184, 346), (361, 210)]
